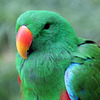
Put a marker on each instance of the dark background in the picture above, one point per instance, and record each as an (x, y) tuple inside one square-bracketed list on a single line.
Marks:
[(84, 16)]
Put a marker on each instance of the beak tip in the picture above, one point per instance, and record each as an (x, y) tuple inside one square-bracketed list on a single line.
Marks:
[(25, 57)]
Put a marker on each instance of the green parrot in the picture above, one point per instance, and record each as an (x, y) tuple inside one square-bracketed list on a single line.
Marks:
[(52, 62)]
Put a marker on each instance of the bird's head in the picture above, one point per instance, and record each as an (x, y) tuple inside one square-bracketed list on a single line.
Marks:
[(40, 30)]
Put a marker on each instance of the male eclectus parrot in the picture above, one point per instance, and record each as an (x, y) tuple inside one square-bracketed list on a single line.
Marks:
[(52, 62)]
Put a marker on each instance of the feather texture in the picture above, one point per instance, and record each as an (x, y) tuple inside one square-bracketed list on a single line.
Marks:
[(82, 76)]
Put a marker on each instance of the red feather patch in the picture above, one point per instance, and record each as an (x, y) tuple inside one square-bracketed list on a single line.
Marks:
[(19, 80), (64, 96)]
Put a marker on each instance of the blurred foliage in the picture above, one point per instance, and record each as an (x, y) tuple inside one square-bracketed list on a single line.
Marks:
[(84, 16)]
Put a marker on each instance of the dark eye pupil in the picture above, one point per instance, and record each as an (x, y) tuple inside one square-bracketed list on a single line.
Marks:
[(47, 26)]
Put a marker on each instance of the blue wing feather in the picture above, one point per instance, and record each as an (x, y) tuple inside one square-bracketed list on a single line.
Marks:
[(68, 75)]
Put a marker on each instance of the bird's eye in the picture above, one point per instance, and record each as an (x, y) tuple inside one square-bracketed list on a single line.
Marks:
[(47, 26)]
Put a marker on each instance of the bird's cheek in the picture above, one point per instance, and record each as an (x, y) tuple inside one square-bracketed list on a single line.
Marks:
[(23, 41)]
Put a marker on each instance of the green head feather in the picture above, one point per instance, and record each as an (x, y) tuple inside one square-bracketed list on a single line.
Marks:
[(59, 29)]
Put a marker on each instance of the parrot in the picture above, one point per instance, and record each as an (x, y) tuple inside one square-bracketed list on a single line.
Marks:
[(53, 63)]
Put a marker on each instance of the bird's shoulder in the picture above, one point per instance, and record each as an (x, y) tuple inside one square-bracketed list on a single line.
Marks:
[(87, 49), (82, 77)]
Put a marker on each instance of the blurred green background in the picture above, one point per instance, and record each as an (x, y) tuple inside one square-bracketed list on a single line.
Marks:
[(84, 16)]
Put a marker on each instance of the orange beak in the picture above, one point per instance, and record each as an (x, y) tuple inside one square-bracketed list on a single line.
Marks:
[(23, 41)]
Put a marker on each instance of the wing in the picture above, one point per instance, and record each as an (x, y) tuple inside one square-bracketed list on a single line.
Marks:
[(82, 77)]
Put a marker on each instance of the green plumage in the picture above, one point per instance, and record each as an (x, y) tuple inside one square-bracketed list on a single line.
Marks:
[(85, 82), (53, 50)]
